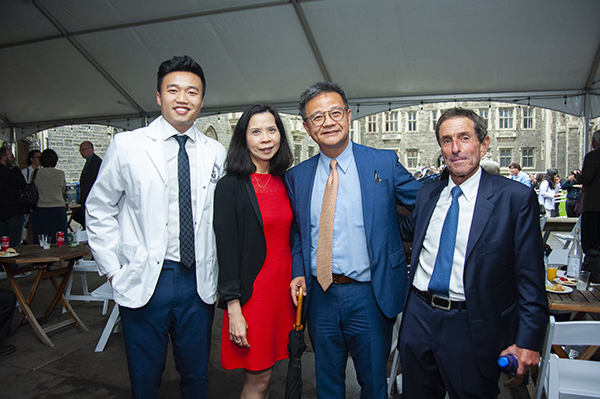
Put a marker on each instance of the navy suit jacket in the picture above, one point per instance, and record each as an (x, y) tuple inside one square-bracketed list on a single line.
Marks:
[(504, 267), (386, 253)]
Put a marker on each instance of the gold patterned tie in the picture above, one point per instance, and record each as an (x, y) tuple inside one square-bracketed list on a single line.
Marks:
[(325, 244)]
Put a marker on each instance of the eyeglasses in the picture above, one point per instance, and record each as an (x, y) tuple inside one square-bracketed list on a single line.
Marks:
[(336, 114)]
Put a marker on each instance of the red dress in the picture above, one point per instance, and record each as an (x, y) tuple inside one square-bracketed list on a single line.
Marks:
[(269, 312)]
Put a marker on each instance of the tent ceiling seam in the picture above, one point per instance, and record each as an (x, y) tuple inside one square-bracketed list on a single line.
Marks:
[(311, 40), (148, 22), (111, 80), (590, 81)]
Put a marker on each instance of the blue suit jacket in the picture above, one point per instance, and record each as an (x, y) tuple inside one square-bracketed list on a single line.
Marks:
[(504, 268), (386, 253)]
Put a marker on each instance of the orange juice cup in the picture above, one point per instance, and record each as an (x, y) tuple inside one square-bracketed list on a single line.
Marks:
[(552, 272)]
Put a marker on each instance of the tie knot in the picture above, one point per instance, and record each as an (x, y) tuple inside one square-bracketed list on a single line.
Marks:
[(456, 192), (333, 164), (181, 139)]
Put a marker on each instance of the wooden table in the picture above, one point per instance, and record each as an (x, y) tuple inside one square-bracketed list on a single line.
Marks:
[(47, 264), (581, 302)]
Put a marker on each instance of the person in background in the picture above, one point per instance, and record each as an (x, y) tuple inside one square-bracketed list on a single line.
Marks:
[(12, 183), (252, 224), (33, 164), (87, 178), (489, 165), (50, 216), (483, 298), (573, 193), (347, 256), (589, 177), (149, 220), (515, 173), (547, 195)]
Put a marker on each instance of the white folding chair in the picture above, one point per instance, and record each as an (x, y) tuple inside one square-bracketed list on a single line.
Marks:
[(83, 267), (395, 379), (105, 292), (568, 238), (569, 378)]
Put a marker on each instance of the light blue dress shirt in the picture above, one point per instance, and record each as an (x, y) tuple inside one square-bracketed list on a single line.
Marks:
[(349, 256)]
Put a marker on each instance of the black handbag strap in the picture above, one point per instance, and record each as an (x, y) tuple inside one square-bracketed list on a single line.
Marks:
[(33, 177)]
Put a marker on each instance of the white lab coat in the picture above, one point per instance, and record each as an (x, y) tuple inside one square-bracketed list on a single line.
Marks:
[(127, 217)]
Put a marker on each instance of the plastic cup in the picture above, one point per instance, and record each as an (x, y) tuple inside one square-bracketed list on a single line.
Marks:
[(582, 282), (552, 272)]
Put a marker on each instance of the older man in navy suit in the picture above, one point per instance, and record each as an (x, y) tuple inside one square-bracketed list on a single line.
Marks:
[(347, 255), (477, 273)]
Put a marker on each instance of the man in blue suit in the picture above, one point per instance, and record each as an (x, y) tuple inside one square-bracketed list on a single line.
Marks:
[(490, 300), (352, 305)]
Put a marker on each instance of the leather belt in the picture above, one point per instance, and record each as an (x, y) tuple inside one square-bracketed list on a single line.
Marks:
[(341, 279), (440, 302)]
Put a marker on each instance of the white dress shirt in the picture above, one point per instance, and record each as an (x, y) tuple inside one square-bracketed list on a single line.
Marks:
[(431, 242), (171, 152)]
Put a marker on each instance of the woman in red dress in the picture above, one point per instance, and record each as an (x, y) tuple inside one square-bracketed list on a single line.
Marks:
[(252, 223)]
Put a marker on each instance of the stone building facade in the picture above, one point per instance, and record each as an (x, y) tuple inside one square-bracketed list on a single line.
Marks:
[(535, 138)]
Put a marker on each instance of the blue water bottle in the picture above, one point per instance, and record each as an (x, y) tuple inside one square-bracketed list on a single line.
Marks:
[(508, 364)]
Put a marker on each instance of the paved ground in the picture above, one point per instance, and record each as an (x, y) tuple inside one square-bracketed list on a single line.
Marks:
[(71, 369)]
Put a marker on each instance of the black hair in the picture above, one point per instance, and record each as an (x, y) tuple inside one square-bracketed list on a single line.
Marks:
[(238, 159), (320, 88), (49, 158), (30, 155), (479, 123), (182, 63)]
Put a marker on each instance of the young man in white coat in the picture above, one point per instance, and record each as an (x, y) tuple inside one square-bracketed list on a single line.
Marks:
[(149, 222)]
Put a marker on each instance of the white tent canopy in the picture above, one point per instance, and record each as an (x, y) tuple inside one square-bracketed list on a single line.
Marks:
[(73, 61)]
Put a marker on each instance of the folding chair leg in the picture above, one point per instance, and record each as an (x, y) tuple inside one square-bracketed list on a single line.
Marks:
[(108, 329), (105, 307), (393, 372)]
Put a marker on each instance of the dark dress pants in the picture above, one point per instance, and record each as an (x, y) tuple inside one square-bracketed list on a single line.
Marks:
[(346, 319), (437, 355), (590, 233), (174, 310)]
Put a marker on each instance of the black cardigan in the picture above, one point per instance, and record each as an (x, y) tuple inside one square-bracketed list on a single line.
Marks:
[(241, 245)]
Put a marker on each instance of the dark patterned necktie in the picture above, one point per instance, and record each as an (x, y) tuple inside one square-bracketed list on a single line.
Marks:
[(440, 279), (187, 253)]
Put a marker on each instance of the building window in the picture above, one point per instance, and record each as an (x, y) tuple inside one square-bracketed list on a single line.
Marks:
[(505, 158), (311, 151), (527, 158), (434, 118), (372, 123), (412, 158), (412, 121), (527, 118), (505, 118), (391, 121)]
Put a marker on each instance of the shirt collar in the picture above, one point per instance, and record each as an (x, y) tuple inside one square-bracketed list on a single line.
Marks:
[(167, 131), (469, 187), (343, 160)]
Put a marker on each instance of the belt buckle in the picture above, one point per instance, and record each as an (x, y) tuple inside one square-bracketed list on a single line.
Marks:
[(446, 302)]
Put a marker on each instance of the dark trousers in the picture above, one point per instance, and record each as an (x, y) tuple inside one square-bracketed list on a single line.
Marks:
[(177, 311), (590, 233), (13, 228), (438, 355), (346, 319), (571, 208), (8, 301)]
